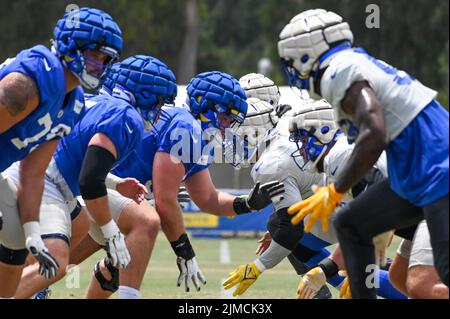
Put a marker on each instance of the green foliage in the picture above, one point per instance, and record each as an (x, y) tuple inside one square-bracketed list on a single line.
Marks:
[(235, 34)]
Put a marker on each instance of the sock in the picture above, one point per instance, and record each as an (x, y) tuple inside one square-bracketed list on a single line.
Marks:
[(128, 293)]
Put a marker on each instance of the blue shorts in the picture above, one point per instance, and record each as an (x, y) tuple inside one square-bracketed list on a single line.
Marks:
[(418, 157)]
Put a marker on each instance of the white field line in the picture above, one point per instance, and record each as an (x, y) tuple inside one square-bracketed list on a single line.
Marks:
[(225, 259), (225, 256)]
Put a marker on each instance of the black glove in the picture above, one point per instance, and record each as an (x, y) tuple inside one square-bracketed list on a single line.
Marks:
[(259, 197)]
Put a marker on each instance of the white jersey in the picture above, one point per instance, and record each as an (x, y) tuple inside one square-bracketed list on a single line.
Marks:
[(401, 96), (281, 161), (338, 157)]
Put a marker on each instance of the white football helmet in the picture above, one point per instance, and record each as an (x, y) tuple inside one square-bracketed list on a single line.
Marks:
[(314, 129), (261, 87), (305, 41), (242, 144)]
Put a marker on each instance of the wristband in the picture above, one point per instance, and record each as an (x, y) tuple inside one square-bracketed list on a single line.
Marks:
[(183, 248)]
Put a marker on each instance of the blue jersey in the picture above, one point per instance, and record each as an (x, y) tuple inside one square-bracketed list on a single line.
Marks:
[(177, 133), (418, 157), (102, 114), (56, 113)]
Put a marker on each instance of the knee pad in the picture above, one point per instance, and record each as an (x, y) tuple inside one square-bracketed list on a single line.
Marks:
[(108, 285), (13, 257)]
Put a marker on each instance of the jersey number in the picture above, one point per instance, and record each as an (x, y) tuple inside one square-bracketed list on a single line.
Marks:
[(46, 121)]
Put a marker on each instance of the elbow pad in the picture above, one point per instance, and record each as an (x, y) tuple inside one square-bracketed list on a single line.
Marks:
[(96, 165)]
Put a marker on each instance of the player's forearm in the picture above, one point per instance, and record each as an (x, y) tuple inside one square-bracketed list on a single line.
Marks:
[(220, 204), (31, 181), (365, 154), (171, 216), (29, 196)]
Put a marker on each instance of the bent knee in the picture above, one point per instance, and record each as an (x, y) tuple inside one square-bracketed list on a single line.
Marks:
[(420, 282)]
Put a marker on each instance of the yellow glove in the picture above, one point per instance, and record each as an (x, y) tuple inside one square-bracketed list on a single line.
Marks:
[(244, 276), (381, 242), (345, 288), (311, 283), (320, 206)]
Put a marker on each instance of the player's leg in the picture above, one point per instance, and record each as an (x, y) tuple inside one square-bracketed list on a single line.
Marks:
[(436, 215), (80, 226), (140, 224), (358, 222), (55, 224), (32, 282), (398, 271), (11, 266), (423, 281), (13, 252)]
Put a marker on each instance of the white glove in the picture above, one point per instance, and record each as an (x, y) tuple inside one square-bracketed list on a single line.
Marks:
[(311, 283), (115, 245), (189, 270), (381, 242), (33, 241)]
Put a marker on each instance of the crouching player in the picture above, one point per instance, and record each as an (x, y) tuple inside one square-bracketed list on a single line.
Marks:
[(40, 102), (216, 102), (112, 126)]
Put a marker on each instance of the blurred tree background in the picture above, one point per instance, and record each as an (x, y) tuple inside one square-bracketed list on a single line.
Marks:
[(193, 36)]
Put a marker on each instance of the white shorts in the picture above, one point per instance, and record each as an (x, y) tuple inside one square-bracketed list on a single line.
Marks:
[(116, 204), (419, 251), (55, 209)]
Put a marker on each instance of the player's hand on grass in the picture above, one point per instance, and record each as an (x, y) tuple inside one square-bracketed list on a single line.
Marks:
[(115, 245), (311, 283), (187, 264), (319, 206), (243, 277), (131, 188), (264, 243), (190, 271), (33, 241)]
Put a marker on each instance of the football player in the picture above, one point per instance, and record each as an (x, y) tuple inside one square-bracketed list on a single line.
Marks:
[(379, 108), (40, 102), (412, 270), (285, 160), (111, 128), (176, 152)]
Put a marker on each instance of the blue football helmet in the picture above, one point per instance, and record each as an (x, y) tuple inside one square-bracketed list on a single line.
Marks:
[(80, 33), (217, 100), (143, 81)]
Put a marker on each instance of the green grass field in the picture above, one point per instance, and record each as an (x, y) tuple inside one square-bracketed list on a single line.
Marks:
[(162, 273)]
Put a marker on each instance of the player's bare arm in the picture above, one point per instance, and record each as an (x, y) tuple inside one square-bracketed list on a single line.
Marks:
[(361, 102), (207, 198), (31, 185), (168, 173), (19, 96)]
